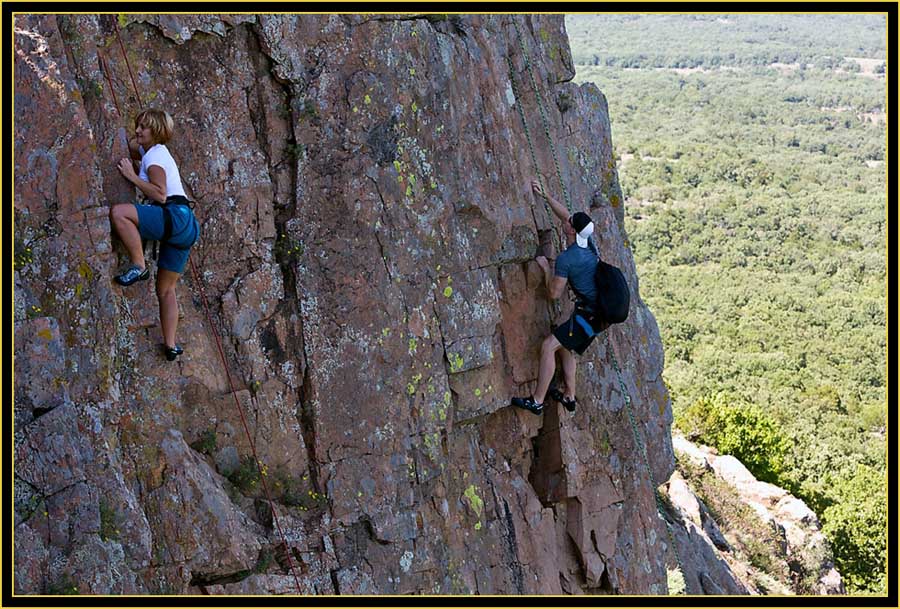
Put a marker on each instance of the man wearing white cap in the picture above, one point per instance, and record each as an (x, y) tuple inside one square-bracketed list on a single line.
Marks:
[(575, 267)]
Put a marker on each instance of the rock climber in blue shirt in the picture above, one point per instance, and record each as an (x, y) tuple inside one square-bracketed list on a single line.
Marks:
[(575, 267)]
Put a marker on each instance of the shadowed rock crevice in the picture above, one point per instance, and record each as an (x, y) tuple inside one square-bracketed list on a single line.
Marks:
[(263, 563), (548, 469), (308, 428), (511, 550), (272, 102)]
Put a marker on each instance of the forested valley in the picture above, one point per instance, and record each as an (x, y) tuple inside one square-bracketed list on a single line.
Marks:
[(750, 149)]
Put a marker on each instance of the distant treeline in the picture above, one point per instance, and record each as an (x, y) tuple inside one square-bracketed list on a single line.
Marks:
[(693, 41), (714, 61)]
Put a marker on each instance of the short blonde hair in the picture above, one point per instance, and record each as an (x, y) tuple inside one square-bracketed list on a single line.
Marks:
[(159, 122)]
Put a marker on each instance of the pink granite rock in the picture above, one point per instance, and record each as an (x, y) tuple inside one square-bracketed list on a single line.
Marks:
[(368, 230)]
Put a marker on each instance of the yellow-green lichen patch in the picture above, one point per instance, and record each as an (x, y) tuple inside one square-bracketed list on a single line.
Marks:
[(413, 345), (367, 100), (448, 292), (474, 500), (456, 362), (85, 271), (411, 387), (432, 442), (603, 445), (477, 392), (478, 526)]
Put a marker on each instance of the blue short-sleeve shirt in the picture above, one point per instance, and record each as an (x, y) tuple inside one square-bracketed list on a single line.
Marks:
[(577, 264)]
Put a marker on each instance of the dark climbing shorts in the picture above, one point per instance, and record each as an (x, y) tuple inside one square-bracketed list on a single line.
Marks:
[(577, 334), (173, 254)]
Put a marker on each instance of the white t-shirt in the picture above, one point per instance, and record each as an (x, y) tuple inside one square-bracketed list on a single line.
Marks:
[(160, 156)]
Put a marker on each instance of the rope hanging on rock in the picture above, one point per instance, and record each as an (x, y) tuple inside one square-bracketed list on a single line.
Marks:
[(544, 122), (518, 98), (643, 451), (555, 306), (546, 125), (260, 468)]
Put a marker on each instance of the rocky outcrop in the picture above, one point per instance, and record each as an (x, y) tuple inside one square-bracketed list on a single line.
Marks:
[(768, 541), (368, 231)]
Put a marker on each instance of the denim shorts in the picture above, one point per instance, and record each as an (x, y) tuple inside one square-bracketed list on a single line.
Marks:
[(578, 333), (173, 254)]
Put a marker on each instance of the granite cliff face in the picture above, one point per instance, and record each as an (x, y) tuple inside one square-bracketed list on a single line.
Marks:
[(368, 235)]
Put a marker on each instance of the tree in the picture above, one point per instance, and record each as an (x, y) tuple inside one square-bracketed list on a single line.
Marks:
[(741, 429), (856, 526)]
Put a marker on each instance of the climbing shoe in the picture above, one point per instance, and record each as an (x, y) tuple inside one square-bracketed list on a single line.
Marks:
[(133, 274), (173, 352), (558, 396), (528, 404)]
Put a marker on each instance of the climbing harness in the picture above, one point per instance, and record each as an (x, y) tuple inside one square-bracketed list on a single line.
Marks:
[(260, 468), (545, 123)]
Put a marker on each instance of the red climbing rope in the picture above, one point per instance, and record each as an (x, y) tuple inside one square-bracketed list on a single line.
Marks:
[(128, 65), (262, 473), (104, 66)]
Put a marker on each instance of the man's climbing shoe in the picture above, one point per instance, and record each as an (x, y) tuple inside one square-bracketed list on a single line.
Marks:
[(133, 274), (528, 404), (558, 396), (173, 352)]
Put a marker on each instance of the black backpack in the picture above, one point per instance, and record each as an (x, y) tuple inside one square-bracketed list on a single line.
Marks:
[(613, 295)]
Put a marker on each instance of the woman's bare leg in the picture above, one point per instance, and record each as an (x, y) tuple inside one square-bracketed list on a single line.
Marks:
[(168, 305), (124, 220)]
